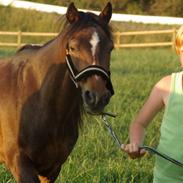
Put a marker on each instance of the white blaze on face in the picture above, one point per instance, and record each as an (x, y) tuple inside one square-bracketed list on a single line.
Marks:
[(94, 41)]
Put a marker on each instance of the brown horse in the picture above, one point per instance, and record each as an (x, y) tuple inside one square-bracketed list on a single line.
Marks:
[(44, 91)]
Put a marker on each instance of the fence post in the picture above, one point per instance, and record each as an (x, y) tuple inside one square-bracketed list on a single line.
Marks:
[(118, 40), (19, 39), (173, 37)]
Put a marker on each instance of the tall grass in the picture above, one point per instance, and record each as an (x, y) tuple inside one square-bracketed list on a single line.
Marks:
[(95, 158), (14, 19), (34, 21)]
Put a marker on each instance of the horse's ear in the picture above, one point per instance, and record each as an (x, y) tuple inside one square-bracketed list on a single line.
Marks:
[(72, 14), (106, 13)]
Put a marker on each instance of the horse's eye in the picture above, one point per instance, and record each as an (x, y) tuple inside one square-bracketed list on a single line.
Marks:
[(71, 48)]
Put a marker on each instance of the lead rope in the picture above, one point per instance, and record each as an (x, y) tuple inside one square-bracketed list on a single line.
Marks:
[(151, 150)]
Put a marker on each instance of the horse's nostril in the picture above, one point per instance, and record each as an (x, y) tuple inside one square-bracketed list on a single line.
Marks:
[(90, 97), (106, 98)]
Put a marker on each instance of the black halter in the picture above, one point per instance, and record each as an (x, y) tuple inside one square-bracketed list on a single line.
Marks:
[(77, 76)]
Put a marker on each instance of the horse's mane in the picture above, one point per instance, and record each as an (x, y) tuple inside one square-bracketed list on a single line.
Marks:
[(28, 46), (33, 46)]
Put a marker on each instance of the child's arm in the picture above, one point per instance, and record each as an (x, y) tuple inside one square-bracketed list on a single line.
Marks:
[(153, 105)]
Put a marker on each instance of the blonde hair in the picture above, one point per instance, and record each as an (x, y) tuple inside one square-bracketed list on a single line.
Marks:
[(179, 40)]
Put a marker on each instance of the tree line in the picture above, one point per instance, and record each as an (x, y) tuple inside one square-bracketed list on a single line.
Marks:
[(145, 7)]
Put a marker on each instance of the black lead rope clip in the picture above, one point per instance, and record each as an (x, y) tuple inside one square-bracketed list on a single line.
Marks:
[(151, 150)]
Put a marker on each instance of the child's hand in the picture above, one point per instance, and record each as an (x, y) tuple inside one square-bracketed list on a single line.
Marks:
[(133, 150)]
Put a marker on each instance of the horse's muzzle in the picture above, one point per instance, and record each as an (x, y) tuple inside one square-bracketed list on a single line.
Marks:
[(94, 103)]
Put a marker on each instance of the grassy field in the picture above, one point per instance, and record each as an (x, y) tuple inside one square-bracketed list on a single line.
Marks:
[(95, 158)]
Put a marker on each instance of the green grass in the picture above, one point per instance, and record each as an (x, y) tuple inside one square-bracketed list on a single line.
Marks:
[(6, 52), (96, 158)]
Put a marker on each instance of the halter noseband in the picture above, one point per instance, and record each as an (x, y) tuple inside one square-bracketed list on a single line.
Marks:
[(77, 76)]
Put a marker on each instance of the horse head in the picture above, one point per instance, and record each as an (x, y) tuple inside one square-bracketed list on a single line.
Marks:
[(88, 53)]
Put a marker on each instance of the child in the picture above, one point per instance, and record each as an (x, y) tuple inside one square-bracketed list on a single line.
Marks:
[(168, 93)]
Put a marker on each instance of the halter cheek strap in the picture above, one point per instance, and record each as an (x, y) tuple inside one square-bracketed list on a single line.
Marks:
[(71, 69), (77, 76)]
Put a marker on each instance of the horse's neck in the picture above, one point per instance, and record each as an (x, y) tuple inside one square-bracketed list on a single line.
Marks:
[(61, 99), (55, 83), (47, 57)]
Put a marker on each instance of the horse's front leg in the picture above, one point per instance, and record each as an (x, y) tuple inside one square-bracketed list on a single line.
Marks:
[(53, 174), (28, 173), (44, 179)]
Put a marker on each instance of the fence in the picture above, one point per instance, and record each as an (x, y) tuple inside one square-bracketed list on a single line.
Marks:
[(119, 44), (20, 35), (117, 38)]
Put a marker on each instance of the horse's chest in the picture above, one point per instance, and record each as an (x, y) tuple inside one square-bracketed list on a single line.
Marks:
[(55, 152), (47, 140), (61, 148)]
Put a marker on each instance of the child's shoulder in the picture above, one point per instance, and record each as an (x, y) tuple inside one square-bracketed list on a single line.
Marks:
[(164, 83), (162, 88)]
